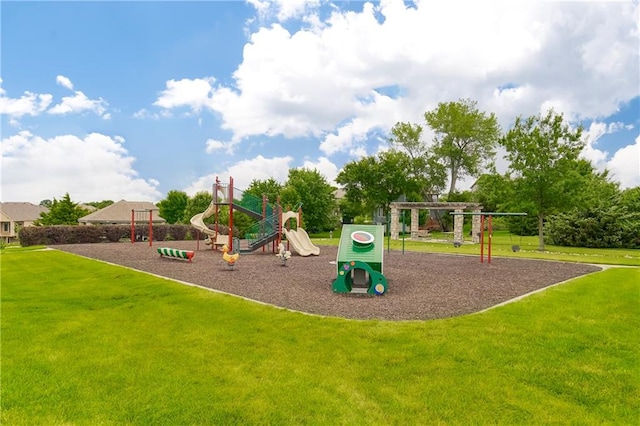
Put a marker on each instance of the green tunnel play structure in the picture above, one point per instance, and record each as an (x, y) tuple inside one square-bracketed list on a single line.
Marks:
[(359, 260)]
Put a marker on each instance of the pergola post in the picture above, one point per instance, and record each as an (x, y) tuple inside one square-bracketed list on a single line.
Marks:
[(394, 222), (415, 223), (475, 226), (458, 221)]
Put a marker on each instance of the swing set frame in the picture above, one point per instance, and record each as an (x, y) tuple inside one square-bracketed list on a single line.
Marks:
[(488, 217)]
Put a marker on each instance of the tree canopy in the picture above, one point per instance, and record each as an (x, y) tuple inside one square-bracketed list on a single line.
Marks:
[(173, 207), (377, 181), (270, 187), (198, 204), (425, 169), (543, 152), (310, 188), (465, 138), (63, 212)]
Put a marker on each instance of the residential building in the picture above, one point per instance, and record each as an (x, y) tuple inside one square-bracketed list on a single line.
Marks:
[(15, 215), (120, 213)]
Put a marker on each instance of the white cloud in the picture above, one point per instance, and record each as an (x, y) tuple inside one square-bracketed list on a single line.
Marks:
[(325, 167), (79, 103), (64, 82), (283, 9), (318, 82), (195, 94), (213, 145), (28, 104), (244, 172), (625, 165), (144, 113), (92, 168)]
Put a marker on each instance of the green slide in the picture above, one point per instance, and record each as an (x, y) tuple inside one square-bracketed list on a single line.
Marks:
[(359, 260)]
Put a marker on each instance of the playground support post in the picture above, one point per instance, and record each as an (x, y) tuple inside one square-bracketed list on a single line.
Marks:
[(230, 244), (482, 239)]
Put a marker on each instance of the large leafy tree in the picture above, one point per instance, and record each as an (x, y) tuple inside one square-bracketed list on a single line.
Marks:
[(269, 187), (425, 169), (377, 181), (547, 174), (198, 204), (493, 191), (465, 138), (62, 212), (173, 208), (309, 187)]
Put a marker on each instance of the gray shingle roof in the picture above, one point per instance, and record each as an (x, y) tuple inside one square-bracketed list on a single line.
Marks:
[(120, 212), (22, 212)]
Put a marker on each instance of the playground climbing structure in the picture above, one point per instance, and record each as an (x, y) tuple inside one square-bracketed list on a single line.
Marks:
[(268, 228)]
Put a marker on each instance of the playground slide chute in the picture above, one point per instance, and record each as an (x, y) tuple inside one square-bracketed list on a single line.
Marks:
[(304, 239), (198, 220), (300, 242)]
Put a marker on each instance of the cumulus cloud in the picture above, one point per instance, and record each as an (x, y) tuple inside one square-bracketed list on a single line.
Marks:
[(625, 165), (36, 168), (28, 104), (213, 145), (515, 58), (325, 167), (34, 104), (283, 10), (64, 82), (194, 94), (80, 103)]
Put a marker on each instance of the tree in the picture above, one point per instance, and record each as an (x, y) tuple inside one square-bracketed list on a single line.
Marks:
[(310, 188), (173, 208), (378, 181), (270, 187), (100, 204), (63, 212), (429, 173), (46, 203), (198, 204), (493, 191), (543, 154), (465, 138)]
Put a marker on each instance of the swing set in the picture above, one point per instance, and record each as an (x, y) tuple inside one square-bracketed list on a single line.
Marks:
[(487, 216), (139, 221)]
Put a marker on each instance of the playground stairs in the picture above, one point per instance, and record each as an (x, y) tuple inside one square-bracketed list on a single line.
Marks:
[(249, 204), (261, 233)]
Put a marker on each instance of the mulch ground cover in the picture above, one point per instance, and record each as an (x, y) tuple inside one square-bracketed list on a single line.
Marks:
[(421, 286)]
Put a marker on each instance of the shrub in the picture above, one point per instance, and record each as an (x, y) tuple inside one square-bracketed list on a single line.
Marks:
[(614, 227), (114, 233), (178, 231), (160, 232)]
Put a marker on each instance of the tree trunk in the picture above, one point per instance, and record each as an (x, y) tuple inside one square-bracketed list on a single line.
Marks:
[(454, 179), (540, 232)]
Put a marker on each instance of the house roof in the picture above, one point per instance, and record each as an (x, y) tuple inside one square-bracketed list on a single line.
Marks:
[(22, 212), (120, 212)]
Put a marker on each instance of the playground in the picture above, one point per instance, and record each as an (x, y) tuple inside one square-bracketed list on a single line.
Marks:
[(421, 286)]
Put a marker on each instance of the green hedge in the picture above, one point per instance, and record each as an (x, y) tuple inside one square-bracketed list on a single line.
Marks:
[(84, 234), (615, 227)]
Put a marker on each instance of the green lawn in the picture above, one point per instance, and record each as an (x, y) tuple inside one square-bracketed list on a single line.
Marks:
[(89, 343), (501, 246)]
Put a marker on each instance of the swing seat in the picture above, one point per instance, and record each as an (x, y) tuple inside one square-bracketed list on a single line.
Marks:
[(515, 248)]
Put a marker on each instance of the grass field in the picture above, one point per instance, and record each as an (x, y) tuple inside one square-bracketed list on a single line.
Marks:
[(501, 246), (86, 343)]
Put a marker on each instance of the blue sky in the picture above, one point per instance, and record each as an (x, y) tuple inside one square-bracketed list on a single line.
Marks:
[(128, 100)]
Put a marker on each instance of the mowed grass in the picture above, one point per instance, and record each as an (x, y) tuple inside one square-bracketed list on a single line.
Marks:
[(501, 246), (84, 342)]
